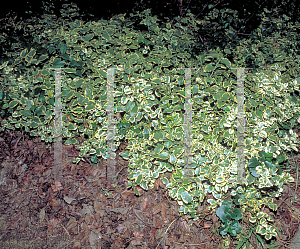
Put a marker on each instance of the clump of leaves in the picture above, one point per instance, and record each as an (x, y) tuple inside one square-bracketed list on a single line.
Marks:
[(229, 216)]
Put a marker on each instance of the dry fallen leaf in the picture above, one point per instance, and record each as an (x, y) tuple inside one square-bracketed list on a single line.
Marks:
[(136, 242), (185, 226), (156, 184), (54, 203), (215, 220), (164, 211), (86, 209), (121, 228), (144, 204), (98, 206), (138, 234), (119, 210), (140, 190), (127, 193), (42, 214), (157, 208), (72, 225), (56, 187), (69, 199), (152, 235), (53, 223), (77, 245), (207, 225)]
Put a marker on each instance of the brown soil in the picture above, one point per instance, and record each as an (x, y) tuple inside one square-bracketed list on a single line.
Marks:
[(37, 212)]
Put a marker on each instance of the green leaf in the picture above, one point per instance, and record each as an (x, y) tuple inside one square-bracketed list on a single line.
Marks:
[(195, 89), (209, 68), (43, 57), (253, 172), (280, 159), (172, 159), (138, 179), (220, 179), (223, 211), (235, 228), (32, 52), (15, 115), (24, 53), (272, 206), (124, 100), (168, 110), (253, 162), (103, 73), (236, 214), (165, 181), (227, 83), (175, 100), (269, 165), (91, 106), (186, 197), (144, 185), (158, 148), (163, 155), (201, 160), (158, 135), (81, 100), (34, 124), (226, 62), (227, 203), (168, 143), (71, 70), (223, 230), (106, 35), (146, 132), (220, 104), (63, 48), (177, 151), (88, 37), (253, 102), (127, 90), (129, 106), (71, 141), (265, 156), (225, 96), (259, 114), (26, 113), (240, 244), (58, 63), (13, 103), (94, 159), (71, 127), (139, 116), (125, 155), (260, 240)]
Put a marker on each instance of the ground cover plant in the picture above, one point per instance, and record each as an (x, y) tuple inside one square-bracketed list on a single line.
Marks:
[(150, 97)]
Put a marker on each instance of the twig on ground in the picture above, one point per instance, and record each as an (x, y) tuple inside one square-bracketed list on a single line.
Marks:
[(166, 232)]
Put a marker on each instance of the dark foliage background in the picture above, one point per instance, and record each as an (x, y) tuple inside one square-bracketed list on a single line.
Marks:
[(212, 35), (94, 10)]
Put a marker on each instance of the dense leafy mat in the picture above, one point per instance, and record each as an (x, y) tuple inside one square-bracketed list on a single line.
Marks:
[(149, 95), (84, 211)]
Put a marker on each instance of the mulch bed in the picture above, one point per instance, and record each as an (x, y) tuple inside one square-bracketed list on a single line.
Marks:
[(85, 211)]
